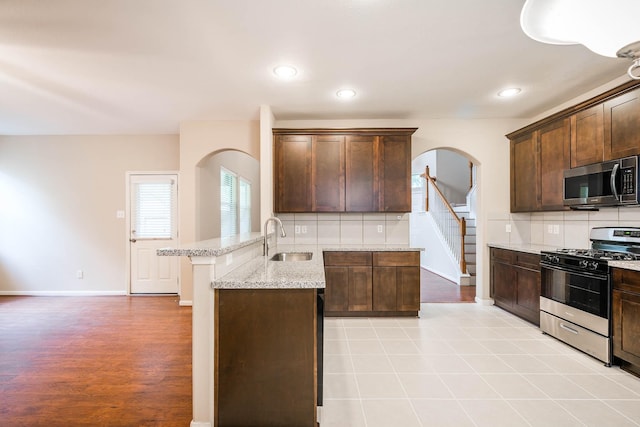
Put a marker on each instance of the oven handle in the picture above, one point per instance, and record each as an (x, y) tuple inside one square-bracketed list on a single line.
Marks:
[(583, 273), (566, 328)]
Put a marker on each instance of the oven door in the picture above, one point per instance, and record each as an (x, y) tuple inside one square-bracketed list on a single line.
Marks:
[(583, 290)]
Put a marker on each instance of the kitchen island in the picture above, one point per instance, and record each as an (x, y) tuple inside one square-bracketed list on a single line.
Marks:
[(254, 334)]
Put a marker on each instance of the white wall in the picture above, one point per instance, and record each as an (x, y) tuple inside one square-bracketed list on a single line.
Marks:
[(58, 201)]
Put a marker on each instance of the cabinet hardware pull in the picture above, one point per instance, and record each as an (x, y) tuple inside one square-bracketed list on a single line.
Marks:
[(566, 328)]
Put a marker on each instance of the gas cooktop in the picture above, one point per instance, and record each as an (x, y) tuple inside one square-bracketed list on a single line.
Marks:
[(600, 254)]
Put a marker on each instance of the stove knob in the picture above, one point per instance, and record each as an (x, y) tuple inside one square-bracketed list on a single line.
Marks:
[(593, 265), (556, 259), (583, 263)]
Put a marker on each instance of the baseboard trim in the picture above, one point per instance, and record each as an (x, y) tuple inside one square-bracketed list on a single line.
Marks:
[(62, 293), (185, 303), (200, 424), (481, 301)]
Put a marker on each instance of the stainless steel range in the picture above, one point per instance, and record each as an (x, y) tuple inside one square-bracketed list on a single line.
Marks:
[(575, 301)]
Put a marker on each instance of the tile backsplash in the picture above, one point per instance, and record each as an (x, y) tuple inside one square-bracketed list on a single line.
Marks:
[(568, 229), (347, 228)]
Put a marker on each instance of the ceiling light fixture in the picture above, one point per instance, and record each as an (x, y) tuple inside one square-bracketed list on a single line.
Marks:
[(608, 28), (507, 93), (285, 71), (346, 93)]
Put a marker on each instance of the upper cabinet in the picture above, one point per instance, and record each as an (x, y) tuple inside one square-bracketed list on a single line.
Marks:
[(538, 159), (622, 126), (606, 127), (342, 170)]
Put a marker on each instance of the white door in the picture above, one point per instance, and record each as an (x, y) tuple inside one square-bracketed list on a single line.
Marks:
[(153, 225)]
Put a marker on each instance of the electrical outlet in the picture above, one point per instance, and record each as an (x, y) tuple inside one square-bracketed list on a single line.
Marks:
[(550, 229), (79, 274), (380, 229), (304, 229), (507, 228), (297, 229), (556, 229), (119, 214)]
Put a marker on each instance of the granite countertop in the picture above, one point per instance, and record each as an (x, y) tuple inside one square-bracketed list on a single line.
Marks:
[(629, 265), (523, 247), (213, 247), (262, 273)]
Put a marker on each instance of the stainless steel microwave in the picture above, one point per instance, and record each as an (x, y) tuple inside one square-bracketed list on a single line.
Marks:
[(613, 183)]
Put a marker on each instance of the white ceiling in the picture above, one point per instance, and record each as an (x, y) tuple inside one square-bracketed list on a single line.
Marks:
[(143, 66)]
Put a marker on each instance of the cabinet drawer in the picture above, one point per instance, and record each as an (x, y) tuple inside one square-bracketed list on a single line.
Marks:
[(396, 259), (527, 260), (503, 255), (626, 280), (350, 258)]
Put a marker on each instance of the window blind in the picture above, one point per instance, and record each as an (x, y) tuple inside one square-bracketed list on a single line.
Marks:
[(245, 206), (153, 210), (228, 203)]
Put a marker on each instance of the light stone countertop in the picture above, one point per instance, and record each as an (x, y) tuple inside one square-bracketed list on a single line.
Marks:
[(524, 247), (262, 273), (628, 265), (213, 247)]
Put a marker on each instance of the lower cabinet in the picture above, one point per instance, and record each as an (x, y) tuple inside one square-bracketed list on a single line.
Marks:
[(625, 318), (372, 283), (515, 283)]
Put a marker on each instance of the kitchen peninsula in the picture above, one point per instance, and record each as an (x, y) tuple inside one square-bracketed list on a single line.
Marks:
[(255, 330)]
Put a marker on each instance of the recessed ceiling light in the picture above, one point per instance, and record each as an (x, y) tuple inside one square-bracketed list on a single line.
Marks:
[(285, 71), (346, 93), (506, 93)]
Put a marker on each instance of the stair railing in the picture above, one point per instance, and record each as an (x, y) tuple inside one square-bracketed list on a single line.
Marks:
[(452, 227)]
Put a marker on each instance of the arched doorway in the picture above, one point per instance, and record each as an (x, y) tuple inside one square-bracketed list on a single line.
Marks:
[(443, 221)]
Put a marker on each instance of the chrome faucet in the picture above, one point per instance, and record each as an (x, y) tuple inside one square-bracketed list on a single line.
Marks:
[(266, 241)]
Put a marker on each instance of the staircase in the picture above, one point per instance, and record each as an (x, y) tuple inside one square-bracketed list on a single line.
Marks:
[(469, 246)]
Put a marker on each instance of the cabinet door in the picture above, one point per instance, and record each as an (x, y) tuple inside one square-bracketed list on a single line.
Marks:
[(361, 173), (626, 326), (384, 289), (360, 288), (524, 174), (502, 284), (408, 288), (587, 136), (336, 293), (327, 171), (527, 294), (621, 124), (395, 173), (554, 141), (293, 171)]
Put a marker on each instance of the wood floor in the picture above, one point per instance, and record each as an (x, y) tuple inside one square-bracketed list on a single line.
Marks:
[(99, 361), (434, 288)]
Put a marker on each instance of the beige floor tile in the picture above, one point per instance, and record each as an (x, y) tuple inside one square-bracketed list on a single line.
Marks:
[(601, 387), (628, 408), (487, 364), (558, 387), (399, 347), (410, 363), (340, 386), (441, 413), (424, 386), (449, 364), (396, 333), (390, 413), (366, 347), (336, 347), (371, 363), (594, 413), (380, 386), (525, 364), (493, 413), (468, 386), (513, 386), (544, 413), (342, 413), (362, 333), (337, 364)]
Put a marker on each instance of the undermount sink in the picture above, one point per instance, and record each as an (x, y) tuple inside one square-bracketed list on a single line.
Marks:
[(292, 256)]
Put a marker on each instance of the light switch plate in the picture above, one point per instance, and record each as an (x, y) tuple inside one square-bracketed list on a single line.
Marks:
[(297, 229), (507, 228), (119, 214), (380, 230)]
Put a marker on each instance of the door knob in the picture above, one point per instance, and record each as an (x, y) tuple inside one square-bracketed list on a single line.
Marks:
[(132, 240)]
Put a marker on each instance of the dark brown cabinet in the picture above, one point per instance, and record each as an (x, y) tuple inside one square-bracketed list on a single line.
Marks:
[(538, 160), (361, 169), (626, 319), (396, 281), (622, 125), (587, 136), (600, 129), (347, 170), (372, 283), (292, 183), (395, 173), (327, 173), (515, 283), (265, 357)]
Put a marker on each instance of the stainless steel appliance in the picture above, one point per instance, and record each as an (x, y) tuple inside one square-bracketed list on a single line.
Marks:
[(613, 183), (575, 301)]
